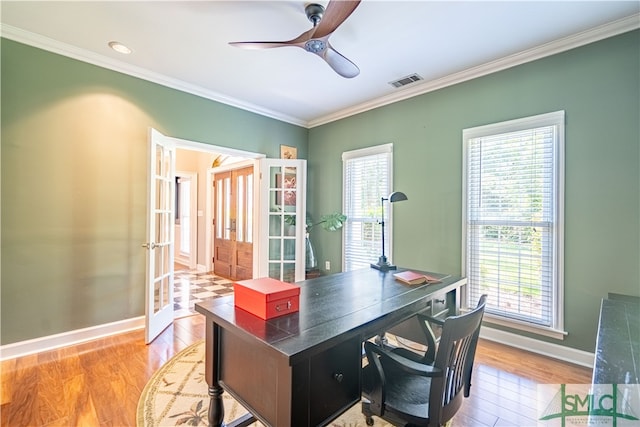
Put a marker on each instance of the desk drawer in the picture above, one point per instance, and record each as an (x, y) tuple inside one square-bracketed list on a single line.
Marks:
[(334, 381), (440, 305)]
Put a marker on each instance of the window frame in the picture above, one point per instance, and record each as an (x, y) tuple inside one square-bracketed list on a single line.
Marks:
[(557, 119), (361, 153)]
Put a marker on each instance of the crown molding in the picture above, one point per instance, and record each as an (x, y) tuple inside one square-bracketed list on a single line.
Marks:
[(51, 45), (611, 29)]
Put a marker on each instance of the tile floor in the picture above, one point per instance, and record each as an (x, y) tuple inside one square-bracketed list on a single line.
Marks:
[(192, 286)]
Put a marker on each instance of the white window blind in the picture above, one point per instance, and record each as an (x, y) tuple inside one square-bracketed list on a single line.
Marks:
[(513, 218), (366, 179)]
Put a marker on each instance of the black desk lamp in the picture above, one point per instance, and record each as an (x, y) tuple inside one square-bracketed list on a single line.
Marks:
[(383, 264)]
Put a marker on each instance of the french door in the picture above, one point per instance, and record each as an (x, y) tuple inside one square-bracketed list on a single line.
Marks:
[(283, 214), (233, 223), (160, 234), (160, 237)]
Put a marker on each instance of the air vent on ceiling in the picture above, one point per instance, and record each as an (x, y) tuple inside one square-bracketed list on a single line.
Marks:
[(411, 78)]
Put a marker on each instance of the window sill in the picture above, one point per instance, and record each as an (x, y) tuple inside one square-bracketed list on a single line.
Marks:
[(524, 326)]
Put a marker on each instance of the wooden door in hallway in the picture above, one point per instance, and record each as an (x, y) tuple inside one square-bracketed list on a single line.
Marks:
[(233, 224)]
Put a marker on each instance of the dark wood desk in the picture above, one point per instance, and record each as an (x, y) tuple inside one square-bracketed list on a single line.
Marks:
[(303, 369)]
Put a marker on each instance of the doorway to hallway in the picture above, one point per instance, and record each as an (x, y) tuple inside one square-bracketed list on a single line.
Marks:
[(194, 280), (160, 243)]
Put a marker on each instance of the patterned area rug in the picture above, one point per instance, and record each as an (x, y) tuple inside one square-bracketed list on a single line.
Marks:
[(177, 395)]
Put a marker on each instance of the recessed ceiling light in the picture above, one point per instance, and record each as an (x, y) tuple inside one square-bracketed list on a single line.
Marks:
[(120, 48)]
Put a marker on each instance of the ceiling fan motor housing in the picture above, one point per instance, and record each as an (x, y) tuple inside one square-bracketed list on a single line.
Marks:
[(314, 13), (315, 46)]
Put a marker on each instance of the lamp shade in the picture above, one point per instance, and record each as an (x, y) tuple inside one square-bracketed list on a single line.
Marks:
[(397, 196)]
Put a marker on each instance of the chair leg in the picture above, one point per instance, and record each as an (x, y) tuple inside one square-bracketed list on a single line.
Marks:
[(366, 411)]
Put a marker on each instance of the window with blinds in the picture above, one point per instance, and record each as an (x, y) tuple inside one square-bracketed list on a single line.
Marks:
[(366, 179), (513, 215)]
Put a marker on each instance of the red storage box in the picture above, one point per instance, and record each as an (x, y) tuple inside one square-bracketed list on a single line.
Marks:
[(266, 297)]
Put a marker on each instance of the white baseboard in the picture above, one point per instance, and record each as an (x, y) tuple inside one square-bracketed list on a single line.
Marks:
[(568, 354), (202, 268), (51, 342)]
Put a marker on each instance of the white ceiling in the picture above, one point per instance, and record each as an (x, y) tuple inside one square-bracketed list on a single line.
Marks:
[(184, 44)]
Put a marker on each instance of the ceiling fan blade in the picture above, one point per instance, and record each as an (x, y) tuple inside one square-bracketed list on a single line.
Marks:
[(298, 41), (334, 15), (259, 45), (339, 63)]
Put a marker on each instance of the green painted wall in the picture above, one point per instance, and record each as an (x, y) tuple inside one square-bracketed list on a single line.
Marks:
[(73, 169), (598, 87)]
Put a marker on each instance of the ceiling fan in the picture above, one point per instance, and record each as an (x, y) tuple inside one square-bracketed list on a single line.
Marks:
[(316, 40)]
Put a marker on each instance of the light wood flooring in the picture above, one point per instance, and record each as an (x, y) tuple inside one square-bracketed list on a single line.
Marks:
[(98, 383)]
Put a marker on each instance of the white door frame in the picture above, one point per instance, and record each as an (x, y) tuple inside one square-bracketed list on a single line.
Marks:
[(184, 144)]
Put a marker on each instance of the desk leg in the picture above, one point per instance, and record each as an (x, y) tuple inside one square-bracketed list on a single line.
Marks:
[(212, 351), (216, 410)]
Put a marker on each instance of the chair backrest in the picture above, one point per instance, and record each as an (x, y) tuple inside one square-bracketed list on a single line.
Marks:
[(455, 355)]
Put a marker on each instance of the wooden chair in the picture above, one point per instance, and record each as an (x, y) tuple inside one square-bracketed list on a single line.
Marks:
[(408, 389)]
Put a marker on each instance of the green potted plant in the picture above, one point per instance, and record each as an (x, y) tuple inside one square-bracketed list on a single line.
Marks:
[(330, 222)]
